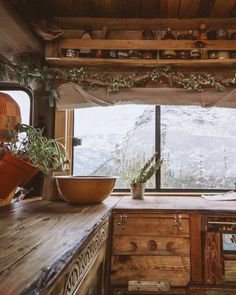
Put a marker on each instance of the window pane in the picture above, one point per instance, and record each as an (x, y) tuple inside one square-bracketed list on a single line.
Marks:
[(112, 137), (198, 147), (23, 100)]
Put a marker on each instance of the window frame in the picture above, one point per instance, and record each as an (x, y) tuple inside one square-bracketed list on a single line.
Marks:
[(158, 188)]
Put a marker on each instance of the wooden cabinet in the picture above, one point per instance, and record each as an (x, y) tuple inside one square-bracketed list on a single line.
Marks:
[(150, 252)]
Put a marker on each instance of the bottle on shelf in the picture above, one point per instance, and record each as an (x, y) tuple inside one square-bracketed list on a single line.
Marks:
[(87, 34), (100, 53), (148, 35), (112, 54), (202, 35), (168, 54), (202, 32)]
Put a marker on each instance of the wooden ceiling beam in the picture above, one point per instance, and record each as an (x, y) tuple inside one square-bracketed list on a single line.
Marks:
[(222, 8), (140, 24), (15, 36)]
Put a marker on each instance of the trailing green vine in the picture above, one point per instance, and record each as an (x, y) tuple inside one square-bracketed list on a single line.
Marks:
[(50, 78)]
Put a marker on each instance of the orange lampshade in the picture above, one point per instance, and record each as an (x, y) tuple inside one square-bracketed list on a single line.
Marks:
[(10, 114)]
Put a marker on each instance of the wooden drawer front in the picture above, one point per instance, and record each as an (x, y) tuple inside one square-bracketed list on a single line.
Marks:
[(137, 245), (173, 269), (230, 271), (149, 226)]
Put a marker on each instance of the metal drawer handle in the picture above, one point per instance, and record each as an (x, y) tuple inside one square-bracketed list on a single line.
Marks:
[(123, 221), (178, 223)]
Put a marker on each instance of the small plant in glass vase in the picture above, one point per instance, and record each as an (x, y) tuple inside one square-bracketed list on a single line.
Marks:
[(137, 171), (23, 153)]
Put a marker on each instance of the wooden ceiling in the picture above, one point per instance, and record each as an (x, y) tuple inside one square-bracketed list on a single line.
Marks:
[(127, 8)]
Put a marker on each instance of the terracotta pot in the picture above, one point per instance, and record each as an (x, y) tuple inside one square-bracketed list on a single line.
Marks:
[(13, 173)]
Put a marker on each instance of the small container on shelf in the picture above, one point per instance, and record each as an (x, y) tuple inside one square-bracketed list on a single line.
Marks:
[(135, 54), (213, 54), (195, 54), (148, 35), (112, 54), (204, 54), (168, 54), (202, 32), (222, 34), (122, 54), (223, 54), (70, 52)]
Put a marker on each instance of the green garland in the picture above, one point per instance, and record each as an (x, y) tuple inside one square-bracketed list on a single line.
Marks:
[(24, 74)]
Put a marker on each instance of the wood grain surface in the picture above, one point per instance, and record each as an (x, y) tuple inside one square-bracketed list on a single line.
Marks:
[(35, 235), (175, 204)]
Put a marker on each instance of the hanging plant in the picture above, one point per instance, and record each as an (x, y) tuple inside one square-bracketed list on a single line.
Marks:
[(25, 74)]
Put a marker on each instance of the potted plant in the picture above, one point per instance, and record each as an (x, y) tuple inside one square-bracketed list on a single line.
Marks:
[(138, 171), (24, 152)]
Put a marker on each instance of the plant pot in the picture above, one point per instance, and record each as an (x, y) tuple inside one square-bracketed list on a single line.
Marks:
[(137, 190), (14, 172)]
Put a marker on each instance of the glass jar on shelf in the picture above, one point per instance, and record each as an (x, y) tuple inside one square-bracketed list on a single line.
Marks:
[(168, 54), (70, 52)]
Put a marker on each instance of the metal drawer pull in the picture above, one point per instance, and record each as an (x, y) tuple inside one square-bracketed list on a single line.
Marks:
[(178, 222), (123, 221)]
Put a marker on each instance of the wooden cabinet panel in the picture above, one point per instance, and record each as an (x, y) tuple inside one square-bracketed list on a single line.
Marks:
[(172, 269), (151, 245), (213, 264), (230, 271), (149, 226)]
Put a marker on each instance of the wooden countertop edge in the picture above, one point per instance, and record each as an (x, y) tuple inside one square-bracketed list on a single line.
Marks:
[(49, 275)]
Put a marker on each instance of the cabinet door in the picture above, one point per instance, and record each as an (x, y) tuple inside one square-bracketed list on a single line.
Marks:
[(151, 248)]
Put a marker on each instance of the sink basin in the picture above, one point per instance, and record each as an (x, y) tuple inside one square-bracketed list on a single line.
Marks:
[(85, 189)]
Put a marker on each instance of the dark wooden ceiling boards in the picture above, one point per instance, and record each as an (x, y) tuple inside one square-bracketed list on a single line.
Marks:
[(127, 8)]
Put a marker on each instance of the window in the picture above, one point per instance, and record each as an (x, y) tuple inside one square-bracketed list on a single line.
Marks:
[(23, 100), (198, 146)]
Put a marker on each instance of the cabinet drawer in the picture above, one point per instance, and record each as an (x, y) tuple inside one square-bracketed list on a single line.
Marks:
[(151, 245), (147, 225), (230, 271), (172, 269)]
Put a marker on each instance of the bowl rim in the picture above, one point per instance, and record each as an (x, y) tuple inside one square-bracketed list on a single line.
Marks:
[(74, 177)]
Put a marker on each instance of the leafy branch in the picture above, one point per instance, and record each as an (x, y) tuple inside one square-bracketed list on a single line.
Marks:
[(26, 73)]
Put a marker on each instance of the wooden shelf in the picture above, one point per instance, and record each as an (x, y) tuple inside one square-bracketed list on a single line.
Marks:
[(107, 44), (69, 61)]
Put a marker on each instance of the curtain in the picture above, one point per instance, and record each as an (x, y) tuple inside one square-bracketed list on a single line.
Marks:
[(73, 96)]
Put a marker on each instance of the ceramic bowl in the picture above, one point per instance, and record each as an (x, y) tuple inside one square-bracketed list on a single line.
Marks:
[(85, 189)]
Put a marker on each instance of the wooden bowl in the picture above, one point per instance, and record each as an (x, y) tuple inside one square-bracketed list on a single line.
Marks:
[(85, 189)]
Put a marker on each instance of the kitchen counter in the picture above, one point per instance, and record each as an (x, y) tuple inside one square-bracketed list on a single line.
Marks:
[(176, 203), (39, 238)]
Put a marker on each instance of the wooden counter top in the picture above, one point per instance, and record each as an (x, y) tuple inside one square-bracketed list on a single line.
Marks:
[(39, 236), (176, 203)]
